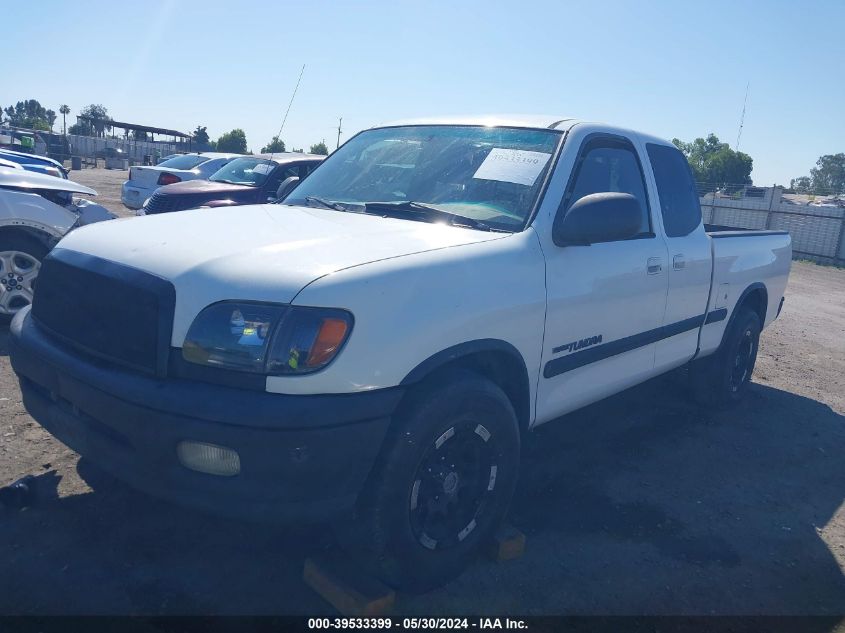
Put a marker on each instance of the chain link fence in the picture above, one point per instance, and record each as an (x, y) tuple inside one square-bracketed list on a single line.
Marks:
[(815, 219)]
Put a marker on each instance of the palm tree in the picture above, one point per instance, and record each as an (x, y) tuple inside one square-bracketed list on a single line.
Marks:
[(65, 110)]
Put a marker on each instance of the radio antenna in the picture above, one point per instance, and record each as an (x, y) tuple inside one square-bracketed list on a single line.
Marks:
[(301, 72), (742, 117)]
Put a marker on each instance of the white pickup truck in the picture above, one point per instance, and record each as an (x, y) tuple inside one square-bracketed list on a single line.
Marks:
[(379, 342)]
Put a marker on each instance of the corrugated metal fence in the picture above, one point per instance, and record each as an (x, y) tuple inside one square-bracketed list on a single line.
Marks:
[(88, 146), (815, 222)]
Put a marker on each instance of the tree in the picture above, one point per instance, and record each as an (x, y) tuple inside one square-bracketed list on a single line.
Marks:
[(801, 185), (29, 114), (82, 128), (274, 146), (715, 162), (99, 118), (201, 136), (51, 119), (64, 109), (829, 174), (319, 148), (233, 142), (139, 135)]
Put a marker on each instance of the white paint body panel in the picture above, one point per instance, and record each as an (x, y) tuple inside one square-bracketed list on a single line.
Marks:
[(740, 262), (416, 289), (22, 206), (262, 253)]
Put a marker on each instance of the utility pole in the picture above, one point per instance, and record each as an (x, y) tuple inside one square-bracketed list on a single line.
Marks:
[(339, 130)]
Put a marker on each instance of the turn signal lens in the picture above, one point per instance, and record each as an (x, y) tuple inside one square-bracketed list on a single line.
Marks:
[(329, 339), (308, 339)]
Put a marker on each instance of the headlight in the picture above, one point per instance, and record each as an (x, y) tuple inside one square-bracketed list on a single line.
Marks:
[(266, 338)]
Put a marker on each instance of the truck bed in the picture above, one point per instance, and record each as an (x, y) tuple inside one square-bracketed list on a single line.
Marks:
[(742, 264), (720, 230)]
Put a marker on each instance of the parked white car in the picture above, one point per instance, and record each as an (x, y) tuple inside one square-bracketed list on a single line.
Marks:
[(36, 211), (143, 181), (380, 342)]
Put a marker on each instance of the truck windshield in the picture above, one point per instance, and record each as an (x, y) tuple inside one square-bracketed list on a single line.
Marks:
[(489, 175), (245, 171)]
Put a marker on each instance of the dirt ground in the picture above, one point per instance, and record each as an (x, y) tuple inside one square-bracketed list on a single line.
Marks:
[(642, 504)]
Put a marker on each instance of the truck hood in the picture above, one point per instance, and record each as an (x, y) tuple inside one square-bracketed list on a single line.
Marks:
[(23, 179), (256, 252)]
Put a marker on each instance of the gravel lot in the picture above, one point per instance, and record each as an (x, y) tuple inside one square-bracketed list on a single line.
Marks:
[(642, 504)]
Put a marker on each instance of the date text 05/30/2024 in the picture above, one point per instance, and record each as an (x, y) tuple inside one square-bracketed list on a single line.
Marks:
[(417, 623)]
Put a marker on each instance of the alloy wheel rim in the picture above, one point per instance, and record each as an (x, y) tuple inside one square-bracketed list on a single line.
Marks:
[(18, 272), (452, 486)]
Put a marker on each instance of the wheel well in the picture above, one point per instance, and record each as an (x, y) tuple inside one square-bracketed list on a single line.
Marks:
[(505, 369), (43, 238), (756, 299)]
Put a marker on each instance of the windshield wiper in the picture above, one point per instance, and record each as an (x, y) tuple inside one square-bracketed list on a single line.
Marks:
[(326, 203), (409, 206)]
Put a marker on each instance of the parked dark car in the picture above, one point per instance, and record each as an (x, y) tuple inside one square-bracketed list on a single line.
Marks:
[(246, 180)]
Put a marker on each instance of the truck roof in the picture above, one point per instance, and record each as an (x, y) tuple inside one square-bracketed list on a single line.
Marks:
[(529, 121), (535, 121)]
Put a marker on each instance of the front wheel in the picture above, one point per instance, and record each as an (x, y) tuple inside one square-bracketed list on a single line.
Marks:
[(20, 262), (444, 481), (722, 378)]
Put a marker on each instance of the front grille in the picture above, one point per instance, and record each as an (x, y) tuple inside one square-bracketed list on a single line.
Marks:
[(165, 203), (162, 203), (111, 311)]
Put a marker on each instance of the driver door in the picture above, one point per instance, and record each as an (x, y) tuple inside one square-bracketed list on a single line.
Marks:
[(605, 302)]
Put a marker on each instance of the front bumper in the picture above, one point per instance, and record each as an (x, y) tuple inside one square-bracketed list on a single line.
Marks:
[(302, 457)]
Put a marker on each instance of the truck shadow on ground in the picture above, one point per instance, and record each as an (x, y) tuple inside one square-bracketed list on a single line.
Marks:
[(642, 504)]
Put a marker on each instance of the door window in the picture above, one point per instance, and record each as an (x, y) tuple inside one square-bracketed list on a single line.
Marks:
[(679, 203), (610, 165)]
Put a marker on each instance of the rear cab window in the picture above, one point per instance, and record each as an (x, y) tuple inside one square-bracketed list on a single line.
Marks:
[(679, 204)]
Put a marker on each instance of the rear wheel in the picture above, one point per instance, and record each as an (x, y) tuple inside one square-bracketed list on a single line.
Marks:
[(443, 483), (722, 378), (20, 262)]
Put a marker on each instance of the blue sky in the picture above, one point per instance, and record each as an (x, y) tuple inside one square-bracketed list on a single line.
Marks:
[(674, 69)]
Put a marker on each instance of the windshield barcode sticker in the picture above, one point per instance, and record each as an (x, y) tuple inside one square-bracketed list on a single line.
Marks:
[(512, 165)]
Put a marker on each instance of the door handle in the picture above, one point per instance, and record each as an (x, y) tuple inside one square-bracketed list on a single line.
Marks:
[(678, 262), (654, 265)]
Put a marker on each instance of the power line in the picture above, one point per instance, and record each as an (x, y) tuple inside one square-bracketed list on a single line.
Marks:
[(301, 72)]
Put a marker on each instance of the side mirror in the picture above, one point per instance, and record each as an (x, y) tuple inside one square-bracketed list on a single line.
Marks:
[(286, 186), (598, 217)]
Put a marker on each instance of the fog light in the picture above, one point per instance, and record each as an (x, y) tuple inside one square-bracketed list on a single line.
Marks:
[(209, 458)]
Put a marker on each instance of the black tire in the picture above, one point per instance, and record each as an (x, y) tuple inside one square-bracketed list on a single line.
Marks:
[(23, 243), (722, 379), (406, 528)]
